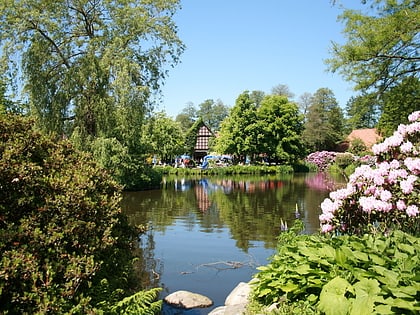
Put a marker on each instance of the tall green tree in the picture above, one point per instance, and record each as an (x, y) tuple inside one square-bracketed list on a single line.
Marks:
[(282, 126), (89, 66), (239, 132), (362, 111), (163, 136), (398, 102), (382, 46), (213, 113), (187, 116), (324, 122), (282, 89)]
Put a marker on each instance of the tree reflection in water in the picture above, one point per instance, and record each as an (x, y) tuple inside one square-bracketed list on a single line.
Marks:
[(199, 221)]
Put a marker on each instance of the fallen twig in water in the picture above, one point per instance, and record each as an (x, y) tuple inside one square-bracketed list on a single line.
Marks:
[(225, 265)]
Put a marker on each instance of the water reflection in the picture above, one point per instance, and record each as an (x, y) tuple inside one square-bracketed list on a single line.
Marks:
[(196, 223)]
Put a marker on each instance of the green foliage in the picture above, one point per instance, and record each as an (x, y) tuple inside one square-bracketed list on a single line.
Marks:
[(141, 303), (273, 128), (65, 244), (89, 63), (324, 123), (343, 275), (381, 44), (163, 137), (239, 131), (212, 113), (229, 170), (363, 111), (342, 160), (282, 127), (90, 69), (358, 147), (398, 102)]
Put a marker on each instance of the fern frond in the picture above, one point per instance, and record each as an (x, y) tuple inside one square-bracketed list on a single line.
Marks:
[(140, 303)]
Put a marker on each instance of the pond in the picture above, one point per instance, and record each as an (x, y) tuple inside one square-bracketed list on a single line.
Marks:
[(207, 234)]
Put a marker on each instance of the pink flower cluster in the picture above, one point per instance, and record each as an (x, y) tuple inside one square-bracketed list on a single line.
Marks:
[(385, 194), (322, 159)]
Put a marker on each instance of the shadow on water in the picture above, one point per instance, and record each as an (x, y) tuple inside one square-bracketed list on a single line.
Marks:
[(208, 234)]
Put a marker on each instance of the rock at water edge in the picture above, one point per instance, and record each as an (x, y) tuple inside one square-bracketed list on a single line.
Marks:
[(187, 300)]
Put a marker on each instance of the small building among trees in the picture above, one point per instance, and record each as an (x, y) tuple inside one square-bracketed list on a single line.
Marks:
[(197, 140)]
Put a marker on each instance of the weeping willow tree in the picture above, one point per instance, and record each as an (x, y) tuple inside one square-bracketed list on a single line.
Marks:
[(89, 68)]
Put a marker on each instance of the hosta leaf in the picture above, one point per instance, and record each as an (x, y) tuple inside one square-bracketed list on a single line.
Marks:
[(409, 305), (367, 293), (288, 287), (384, 309), (332, 299), (389, 277), (407, 248), (303, 269), (361, 256), (264, 292), (377, 259), (328, 251), (405, 292)]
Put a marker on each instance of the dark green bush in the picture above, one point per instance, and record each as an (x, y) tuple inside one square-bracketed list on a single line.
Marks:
[(65, 246)]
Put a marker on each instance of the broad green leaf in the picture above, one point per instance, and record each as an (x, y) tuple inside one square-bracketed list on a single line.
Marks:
[(389, 277), (332, 299), (303, 269), (384, 309), (288, 287), (407, 248), (409, 305), (361, 256), (328, 251), (367, 293), (377, 259)]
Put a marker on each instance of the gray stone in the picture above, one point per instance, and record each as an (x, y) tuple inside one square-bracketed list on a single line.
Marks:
[(236, 309), (187, 300), (239, 295)]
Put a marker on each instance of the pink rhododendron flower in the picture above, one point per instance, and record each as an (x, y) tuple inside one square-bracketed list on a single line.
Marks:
[(387, 191), (406, 147), (407, 185), (325, 228), (413, 128), (386, 195), (401, 205), (414, 116), (397, 174), (413, 164), (412, 210)]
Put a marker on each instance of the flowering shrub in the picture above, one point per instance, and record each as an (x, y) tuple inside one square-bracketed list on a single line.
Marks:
[(383, 196), (322, 159)]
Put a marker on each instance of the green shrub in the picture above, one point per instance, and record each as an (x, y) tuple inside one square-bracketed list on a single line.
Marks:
[(342, 160), (62, 233), (343, 275)]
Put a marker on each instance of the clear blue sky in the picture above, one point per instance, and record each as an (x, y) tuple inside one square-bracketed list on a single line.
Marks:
[(238, 45)]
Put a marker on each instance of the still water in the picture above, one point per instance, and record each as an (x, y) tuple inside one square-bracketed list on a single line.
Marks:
[(208, 234)]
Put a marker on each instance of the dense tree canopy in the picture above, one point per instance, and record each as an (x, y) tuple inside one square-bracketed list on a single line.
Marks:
[(89, 66), (272, 129), (362, 111), (324, 122), (281, 127), (212, 112), (238, 133), (397, 103), (382, 45), (164, 137)]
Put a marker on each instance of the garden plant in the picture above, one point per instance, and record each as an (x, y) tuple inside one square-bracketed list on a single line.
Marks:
[(65, 246), (366, 258)]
